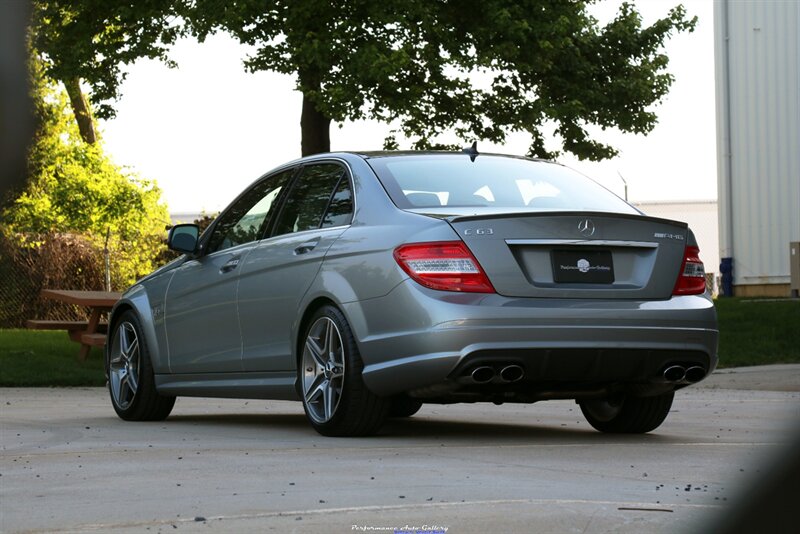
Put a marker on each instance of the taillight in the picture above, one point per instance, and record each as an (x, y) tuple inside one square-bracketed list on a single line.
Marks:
[(692, 277), (443, 265)]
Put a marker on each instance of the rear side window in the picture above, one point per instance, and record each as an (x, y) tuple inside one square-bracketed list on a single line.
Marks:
[(453, 180), (340, 210), (321, 196)]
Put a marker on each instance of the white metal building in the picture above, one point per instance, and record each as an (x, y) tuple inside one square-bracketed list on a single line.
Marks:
[(702, 218), (757, 53)]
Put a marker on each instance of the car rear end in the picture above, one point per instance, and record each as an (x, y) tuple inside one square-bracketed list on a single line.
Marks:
[(540, 285)]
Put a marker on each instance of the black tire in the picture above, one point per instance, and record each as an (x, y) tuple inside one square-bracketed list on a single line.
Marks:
[(403, 406), (354, 410), (127, 360), (628, 415)]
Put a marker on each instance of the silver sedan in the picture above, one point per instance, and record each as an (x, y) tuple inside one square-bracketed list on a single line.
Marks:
[(367, 284)]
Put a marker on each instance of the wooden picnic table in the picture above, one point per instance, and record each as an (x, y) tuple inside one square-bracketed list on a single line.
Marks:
[(89, 333)]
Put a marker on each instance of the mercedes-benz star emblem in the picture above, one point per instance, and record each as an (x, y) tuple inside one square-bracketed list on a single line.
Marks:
[(586, 228)]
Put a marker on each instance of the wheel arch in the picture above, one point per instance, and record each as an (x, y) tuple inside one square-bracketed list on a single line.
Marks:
[(136, 301), (310, 310), (119, 309), (357, 411)]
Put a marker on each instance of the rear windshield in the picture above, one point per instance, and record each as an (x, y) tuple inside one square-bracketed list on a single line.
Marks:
[(452, 180)]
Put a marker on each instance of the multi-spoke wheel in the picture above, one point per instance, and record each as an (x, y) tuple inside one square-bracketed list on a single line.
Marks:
[(323, 369), (130, 374), (123, 365), (335, 398), (627, 415)]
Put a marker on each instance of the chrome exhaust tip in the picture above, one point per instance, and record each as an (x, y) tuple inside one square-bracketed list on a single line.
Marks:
[(695, 374), (674, 373), (512, 373), (482, 374)]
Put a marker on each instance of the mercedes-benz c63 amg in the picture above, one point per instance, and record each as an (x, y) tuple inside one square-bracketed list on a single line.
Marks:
[(367, 284)]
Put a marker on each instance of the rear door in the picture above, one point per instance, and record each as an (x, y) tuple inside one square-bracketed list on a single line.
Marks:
[(279, 271)]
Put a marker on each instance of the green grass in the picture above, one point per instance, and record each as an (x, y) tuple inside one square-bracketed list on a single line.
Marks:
[(752, 332), (46, 358), (758, 331)]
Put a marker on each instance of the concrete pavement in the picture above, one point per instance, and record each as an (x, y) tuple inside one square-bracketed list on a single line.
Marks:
[(760, 377), (67, 463)]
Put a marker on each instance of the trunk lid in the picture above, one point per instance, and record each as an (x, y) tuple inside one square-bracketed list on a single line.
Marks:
[(573, 254)]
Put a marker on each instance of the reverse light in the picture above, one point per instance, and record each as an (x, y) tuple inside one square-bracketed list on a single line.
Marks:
[(443, 265), (692, 277)]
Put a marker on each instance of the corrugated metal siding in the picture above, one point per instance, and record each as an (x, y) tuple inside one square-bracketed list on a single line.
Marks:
[(760, 198)]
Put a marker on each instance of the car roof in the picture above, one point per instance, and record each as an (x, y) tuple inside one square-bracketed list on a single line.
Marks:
[(369, 154)]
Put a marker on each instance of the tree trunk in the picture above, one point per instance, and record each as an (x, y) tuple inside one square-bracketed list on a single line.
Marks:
[(80, 108), (315, 129)]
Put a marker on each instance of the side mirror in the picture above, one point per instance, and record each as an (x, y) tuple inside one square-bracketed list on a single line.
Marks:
[(183, 238)]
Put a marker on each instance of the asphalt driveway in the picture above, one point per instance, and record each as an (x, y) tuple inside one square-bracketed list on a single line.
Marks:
[(67, 463)]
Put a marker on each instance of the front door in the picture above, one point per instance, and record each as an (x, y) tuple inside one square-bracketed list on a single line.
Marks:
[(203, 333)]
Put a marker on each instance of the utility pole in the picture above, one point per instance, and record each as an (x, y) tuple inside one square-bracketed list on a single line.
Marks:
[(107, 260)]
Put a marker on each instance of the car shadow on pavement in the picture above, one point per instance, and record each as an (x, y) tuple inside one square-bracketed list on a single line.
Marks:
[(508, 433), (285, 421), (420, 429)]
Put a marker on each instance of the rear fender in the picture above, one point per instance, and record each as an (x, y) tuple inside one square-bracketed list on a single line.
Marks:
[(360, 265)]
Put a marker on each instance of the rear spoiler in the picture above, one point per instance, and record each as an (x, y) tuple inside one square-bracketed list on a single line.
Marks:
[(451, 218)]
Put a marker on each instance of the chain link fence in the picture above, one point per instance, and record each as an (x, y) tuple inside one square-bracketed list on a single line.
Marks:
[(60, 261), (30, 263)]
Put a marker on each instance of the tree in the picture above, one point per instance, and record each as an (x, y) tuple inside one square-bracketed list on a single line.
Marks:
[(436, 69), (90, 40), (480, 70), (73, 187)]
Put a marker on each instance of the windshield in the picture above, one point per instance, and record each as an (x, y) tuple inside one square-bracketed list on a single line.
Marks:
[(452, 180)]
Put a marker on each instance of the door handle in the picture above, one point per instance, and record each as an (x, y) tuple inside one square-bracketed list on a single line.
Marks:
[(230, 265), (306, 247)]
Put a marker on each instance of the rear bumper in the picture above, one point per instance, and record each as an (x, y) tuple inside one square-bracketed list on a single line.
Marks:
[(415, 338)]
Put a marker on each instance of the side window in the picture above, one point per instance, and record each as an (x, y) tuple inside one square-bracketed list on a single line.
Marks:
[(340, 210), (309, 198), (246, 219)]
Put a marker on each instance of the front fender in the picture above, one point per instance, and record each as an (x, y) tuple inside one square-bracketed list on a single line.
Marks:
[(137, 299)]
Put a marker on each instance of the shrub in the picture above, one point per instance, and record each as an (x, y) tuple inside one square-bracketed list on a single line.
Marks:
[(73, 187)]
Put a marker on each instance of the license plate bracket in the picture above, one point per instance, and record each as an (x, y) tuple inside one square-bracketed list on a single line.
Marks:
[(582, 266)]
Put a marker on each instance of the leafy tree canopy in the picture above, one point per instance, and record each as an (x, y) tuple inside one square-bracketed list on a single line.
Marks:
[(73, 187), (93, 39), (90, 40), (441, 70), (480, 70)]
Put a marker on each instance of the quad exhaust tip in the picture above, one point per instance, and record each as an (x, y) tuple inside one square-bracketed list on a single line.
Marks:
[(695, 374), (512, 373), (509, 373), (679, 373), (674, 373), (483, 374)]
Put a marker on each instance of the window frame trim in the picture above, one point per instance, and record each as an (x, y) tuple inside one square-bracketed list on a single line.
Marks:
[(206, 236), (348, 174)]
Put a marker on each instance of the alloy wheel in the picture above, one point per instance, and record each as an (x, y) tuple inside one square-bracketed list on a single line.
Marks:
[(323, 370), (124, 365)]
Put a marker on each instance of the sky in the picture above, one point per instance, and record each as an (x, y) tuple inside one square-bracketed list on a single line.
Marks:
[(207, 129)]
